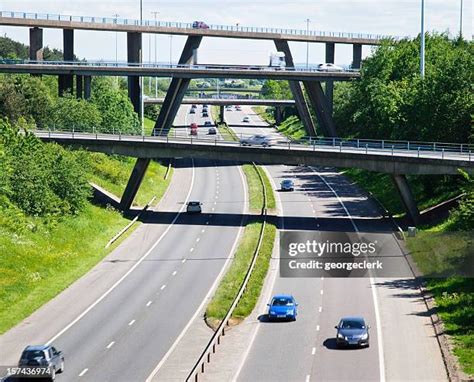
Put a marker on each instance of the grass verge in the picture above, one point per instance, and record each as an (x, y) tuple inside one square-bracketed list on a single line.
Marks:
[(264, 113), (381, 185), (112, 173), (435, 252), (232, 280), (292, 128), (37, 264)]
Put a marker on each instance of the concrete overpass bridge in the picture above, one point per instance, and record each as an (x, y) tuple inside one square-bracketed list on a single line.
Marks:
[(318, 98), (222, 102), (391, 157)]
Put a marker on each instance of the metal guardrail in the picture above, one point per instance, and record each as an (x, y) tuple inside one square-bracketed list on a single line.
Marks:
[(215, 340), (442, 150), (150, 65), (183, 25)]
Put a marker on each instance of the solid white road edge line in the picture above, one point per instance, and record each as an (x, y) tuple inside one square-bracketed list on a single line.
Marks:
[(118, 282), (372, 286), (211, 290), (271, 280)]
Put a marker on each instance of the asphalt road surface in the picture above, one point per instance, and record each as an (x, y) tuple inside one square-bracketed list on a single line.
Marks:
[(123, 335), (403, 346)]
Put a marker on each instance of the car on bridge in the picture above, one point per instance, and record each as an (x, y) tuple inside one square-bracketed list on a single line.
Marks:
[(329, 67), (282, 307), (200, 25), (287, 185), (194, 207), (257, 140), (352, 331), (42, 356), (193, 128)]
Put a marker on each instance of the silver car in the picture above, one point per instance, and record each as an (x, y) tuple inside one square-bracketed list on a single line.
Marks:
[(43, 356), (257, 140), (287, 185)]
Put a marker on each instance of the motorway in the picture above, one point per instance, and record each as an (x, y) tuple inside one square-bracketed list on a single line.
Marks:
[(119, 320), (403, 344)]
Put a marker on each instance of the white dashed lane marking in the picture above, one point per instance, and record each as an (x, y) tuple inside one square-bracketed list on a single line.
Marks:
[(163, 286), (148, 303), (313, 352), (131, 323), (110, 345), (83, 372), (174, 273)]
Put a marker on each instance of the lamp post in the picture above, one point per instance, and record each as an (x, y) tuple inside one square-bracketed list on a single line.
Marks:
[(460, 20), (116, 46), (422, 48), (307, 44), (155, 13), (142, 106)]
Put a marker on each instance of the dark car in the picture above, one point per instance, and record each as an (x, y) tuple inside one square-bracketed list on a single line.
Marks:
[(207, 123), (287, 185), (212, 131), (352, 331), (194, 207), (192, 111), (43, 356), (282, 307), (205, 114), (200, 25)]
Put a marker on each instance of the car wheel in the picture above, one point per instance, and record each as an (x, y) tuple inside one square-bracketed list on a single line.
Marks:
[(53, 374)]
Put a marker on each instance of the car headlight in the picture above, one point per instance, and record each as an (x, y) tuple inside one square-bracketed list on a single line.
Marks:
[(339, 335), (291, 312), (364, 336)]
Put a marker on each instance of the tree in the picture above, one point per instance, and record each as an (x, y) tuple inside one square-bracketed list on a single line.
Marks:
[(115, 108), (391, 101), (78, 114)]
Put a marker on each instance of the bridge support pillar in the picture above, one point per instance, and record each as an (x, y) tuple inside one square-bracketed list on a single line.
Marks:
[(330, 55), (134, 55), (221, 114), (36, 44), (66, 81), (356, 55), (278, 115), (169, 108), (79, 86), (406, 196), (87, 87), (321, 106), (295, 86)]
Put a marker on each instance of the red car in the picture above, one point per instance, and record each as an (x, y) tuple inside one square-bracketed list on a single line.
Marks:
[(194, 128), (200, 25)]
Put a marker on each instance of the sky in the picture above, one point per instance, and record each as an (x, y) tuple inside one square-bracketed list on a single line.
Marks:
[(388, 17)]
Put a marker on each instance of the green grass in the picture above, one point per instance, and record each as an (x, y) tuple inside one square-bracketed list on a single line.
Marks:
[(292, 128), (36, 266), (263, 112), (38, 263), (382, 186), (435, 252), (112, 173), (235, 275), (148, 125)]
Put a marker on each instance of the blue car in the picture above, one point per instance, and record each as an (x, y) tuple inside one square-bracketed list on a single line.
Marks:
[(282, 307)]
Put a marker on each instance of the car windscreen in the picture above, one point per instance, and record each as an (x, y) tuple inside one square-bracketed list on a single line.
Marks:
[(282, 302), (32, 354), (352, 324)]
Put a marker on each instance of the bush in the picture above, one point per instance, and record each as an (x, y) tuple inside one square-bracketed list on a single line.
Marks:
[(40, 179)]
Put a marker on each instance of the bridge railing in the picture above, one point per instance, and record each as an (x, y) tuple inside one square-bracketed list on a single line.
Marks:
[(439, 150), (151, 65), (184, 25)]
